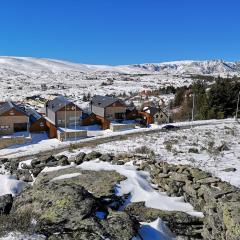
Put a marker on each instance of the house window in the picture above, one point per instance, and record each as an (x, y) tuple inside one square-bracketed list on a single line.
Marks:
[(4, 127), (156, 116), (61, 121), (119, 115)]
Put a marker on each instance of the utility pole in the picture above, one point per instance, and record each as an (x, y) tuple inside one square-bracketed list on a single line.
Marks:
[(76, 121), (236, 117), (193, 106), (65, 121), (168, 112)]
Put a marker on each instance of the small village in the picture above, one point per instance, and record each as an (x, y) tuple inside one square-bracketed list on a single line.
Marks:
[(63, 119)]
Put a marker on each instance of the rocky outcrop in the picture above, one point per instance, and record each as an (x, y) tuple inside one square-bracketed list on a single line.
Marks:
[(100, 183), (218, 200), (69, 207), (65, 204), (182, 224)]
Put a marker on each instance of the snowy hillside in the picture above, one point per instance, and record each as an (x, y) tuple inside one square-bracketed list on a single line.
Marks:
[(215, 67), (35, 65), (22, 77)]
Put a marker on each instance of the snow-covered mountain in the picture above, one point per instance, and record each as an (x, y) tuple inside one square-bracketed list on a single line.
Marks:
[(30, 66), (213, 67), (21, 77)]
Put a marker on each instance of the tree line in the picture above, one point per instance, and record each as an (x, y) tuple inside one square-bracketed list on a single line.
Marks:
[(215, 101)]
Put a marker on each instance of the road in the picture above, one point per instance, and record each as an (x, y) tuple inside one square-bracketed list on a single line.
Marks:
[(90, 142)]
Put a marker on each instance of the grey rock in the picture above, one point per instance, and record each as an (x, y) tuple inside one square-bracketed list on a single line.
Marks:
[(209, 180), (24, 175), (92, 155), (100, 183), (80, 158), (6, 203), (3, 160), (58, 158), (64, 209), (36, 171), (179, 222), (11, 166), (231, 219), (193, 150), (179, 177), (106, 157), (198, 174), (63, 162), (35, 162)]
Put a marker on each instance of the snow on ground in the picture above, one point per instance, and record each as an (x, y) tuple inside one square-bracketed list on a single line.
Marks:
[(212, 148), (50, 169), (138, 186), (66, 176), (20, 236), (23, 77), (155, 230), (140, 190), (40, 142), (10, 185)]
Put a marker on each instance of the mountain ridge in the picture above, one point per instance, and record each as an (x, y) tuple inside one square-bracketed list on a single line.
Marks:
[(204, 67)]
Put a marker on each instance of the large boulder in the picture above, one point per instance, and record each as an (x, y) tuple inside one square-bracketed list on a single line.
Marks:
[(100, 183), (107, 157), (64, 209), (79, 158), (92, 155)]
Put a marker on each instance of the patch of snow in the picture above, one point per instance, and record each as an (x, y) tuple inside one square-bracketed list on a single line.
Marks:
[(20, 236), (52, 169), (140, 190), (66, 176), (10, 185), (155, 230)]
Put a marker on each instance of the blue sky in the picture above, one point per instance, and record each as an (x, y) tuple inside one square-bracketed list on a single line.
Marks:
[(121, 32)]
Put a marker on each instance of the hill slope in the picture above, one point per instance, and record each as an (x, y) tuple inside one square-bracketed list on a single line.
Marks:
[(36, 65)]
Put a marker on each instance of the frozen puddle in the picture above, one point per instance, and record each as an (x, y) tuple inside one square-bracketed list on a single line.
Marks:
[(140, 190)]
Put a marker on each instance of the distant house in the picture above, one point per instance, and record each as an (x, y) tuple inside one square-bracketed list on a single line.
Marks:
[(62, 113), (12, 118), (44, 87), (37, 121), (157, 114), (108, 107)]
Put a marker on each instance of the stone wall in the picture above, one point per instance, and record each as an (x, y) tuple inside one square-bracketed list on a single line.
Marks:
[(71, 135), (218, 200), (9, 141), (119, 127)]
